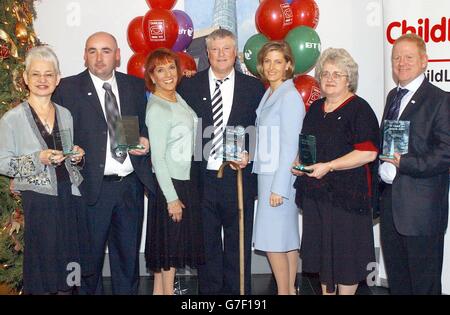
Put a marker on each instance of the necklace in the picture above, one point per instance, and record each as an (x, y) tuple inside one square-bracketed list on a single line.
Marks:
[(44, 120)]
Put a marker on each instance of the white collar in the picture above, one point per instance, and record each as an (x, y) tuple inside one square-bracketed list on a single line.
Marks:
[(213, 77), (99, 82), (414, 85)]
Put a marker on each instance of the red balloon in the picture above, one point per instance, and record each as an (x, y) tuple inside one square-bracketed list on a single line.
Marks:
[(135, 35), (186, 62), (160, 28), (161, 4), (306, 12), (136, 65), (308, 88), (273, 18)]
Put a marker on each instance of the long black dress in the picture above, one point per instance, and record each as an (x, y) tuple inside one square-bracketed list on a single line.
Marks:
[(56, 236), (337, 238)]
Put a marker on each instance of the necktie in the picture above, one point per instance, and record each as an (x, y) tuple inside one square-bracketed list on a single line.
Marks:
[(217, 110), (112, 116), (394, 108)]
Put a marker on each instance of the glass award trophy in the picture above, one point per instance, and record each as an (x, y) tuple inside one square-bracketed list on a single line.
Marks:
[(395, 138), (234, 143), (127, 133), (63, 139), (307, 152)]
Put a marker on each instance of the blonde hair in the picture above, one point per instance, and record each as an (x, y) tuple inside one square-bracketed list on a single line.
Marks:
[(283, 48), (413, 38)]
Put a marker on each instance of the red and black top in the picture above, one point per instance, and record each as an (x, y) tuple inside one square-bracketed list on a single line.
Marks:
[(351, 126)]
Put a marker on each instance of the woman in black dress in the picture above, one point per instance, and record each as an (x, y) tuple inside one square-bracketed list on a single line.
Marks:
[(55, 233), (337, 240)]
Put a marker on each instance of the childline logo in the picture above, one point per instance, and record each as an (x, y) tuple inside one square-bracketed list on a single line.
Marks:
[(424, 27)]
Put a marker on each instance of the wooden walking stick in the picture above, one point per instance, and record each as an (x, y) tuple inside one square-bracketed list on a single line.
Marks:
[(240, 195)]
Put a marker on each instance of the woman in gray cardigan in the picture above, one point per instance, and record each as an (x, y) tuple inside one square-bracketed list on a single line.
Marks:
[(47, 180)]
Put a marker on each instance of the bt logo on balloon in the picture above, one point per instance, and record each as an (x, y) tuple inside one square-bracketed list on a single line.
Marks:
[(189, 32), (312, 45), (248, 54)]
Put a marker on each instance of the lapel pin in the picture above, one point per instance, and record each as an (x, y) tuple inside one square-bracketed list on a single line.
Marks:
[(204, 98), (89, 93), (339, 117), (413, 101)]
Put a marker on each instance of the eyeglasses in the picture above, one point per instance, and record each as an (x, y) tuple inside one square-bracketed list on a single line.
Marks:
[(334, 75), (36, 76)]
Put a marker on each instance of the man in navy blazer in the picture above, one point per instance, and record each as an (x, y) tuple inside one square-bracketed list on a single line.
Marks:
[(112, 189), (414, 202), (241, 95)]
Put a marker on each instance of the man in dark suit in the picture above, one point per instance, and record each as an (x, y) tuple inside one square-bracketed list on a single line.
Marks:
[(414, 203), (112, 185), (239, 96)]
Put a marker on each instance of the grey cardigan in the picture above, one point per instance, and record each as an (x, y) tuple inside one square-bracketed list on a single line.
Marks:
[(20, 146)]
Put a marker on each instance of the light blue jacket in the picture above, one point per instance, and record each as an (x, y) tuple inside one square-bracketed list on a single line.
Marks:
[(20, 146), (278, 125)]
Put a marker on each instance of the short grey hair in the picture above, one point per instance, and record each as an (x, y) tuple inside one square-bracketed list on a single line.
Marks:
[(42, 53), (219, 34), (344, 61)]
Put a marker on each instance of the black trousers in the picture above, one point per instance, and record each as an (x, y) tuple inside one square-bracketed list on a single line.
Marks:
[(413, 263), (220, 273), (116, 221)]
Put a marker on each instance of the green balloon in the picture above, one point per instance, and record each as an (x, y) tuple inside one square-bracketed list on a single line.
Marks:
[(305, 45), (251, 50)]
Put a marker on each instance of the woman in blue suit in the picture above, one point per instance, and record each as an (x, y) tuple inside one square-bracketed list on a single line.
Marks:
[(279, 121)]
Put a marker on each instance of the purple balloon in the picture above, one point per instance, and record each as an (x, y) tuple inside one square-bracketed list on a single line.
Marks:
[(185, 30)]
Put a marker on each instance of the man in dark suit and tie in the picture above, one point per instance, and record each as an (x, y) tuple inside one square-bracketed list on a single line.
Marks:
[(112, 187), (414, 202), (222, 98)]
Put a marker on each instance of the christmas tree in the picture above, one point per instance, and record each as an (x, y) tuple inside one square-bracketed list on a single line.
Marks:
[(16, 38)]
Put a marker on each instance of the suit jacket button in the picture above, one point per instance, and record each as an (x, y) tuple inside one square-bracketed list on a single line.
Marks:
[(104, 132), (101, 165)]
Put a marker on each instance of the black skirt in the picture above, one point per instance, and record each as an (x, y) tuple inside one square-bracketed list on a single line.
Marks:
[(56, 241), (336, 243), (175, 244)]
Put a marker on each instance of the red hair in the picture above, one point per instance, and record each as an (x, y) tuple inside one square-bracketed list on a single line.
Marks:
[(160, 56)]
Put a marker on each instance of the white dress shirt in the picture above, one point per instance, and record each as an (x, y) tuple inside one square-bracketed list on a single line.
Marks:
[(112, 167), (227, 91), (388, 171)]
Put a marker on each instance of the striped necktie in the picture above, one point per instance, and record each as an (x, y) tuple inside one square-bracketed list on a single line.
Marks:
[(217, 111)]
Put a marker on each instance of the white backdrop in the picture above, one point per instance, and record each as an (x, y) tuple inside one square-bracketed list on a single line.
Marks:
[(356, 25)]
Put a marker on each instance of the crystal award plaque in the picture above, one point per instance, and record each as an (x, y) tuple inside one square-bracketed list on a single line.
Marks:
[(307, 152), (234, 143), (127, 133), (63, 139), (395, 138)]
